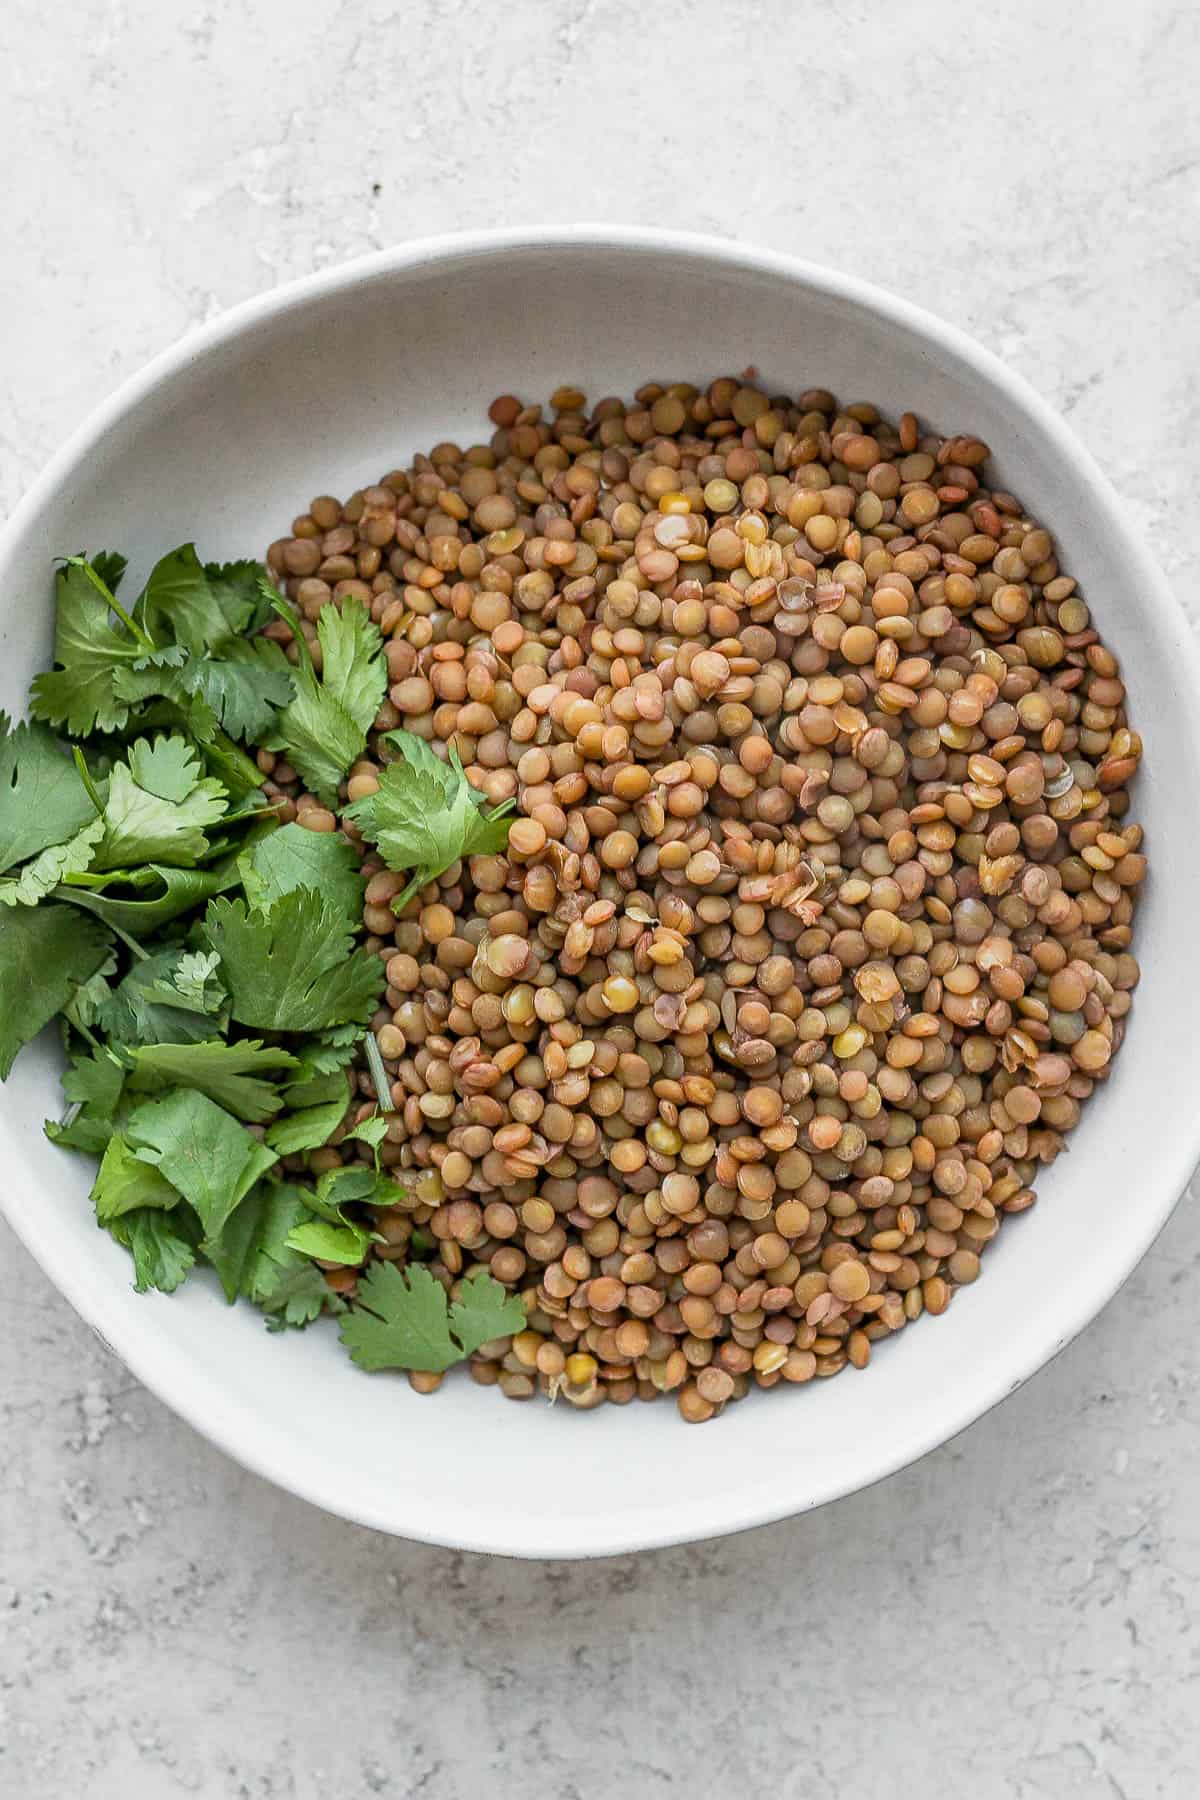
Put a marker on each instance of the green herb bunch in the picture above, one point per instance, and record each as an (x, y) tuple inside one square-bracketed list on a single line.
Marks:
[(204, 962)]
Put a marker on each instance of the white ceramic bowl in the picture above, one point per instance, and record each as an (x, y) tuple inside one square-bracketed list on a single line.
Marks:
[(321, 386)]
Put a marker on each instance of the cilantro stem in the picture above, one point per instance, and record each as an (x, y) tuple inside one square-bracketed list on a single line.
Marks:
[(128, 620), (419, 880), (250, 771), (129, 942), (301, 642), (84, 878), (85, 775), (383, 1087)]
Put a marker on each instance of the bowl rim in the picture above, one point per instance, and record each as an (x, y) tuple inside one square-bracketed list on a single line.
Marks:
[(139, 1347)]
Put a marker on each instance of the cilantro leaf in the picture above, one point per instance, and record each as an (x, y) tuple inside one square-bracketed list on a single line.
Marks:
[(155, 691), (206, 677), (240, 777), (370, 1131), (299, 1294), (94, 1086), (157, 1003), (195, 983), (484, 833), (43, 801), (90, 648), (163, 1245), (242, 692), (353, 668), (330, 1243), (354, 1185), (331, 1236), (201, 1150), (293, 968), (83, 1008), (324, 729), (110, 566), (319, 737), (179, 591), (311, 1126), (124, 1182), (483, 1311), (83, 1129), (95, 1080), (174, 891), (330, 1051), (405, 815), (45, 953), (39, 877), (252, 1257), (424, 760), (425, 814), (142, 825), (230, 1074), (402, 1319), (341, 1187), (168, 768), (306, 1089), (238, 589), (254, 1233), (294, 857)]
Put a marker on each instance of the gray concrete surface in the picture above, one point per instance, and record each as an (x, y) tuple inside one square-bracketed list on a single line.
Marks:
[(1014, 1619)]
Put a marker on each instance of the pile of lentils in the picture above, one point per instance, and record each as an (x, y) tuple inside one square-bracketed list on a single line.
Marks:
[(812, 932)]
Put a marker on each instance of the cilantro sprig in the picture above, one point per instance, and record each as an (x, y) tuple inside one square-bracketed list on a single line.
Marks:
[(181, 642), (425, 814), (403, 1319), (324, 729), (95, 642), (292, 858), (293, 967)]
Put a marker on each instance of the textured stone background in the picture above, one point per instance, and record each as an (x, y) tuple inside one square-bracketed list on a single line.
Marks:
[(1016, 1618)]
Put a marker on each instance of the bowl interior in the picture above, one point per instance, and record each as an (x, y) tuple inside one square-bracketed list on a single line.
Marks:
[(324, 391)]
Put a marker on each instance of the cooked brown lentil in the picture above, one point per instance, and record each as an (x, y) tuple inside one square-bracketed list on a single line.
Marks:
[(812, 933)]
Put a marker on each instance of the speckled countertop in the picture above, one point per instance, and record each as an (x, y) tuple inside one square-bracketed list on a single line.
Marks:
[(1017, 1617)]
